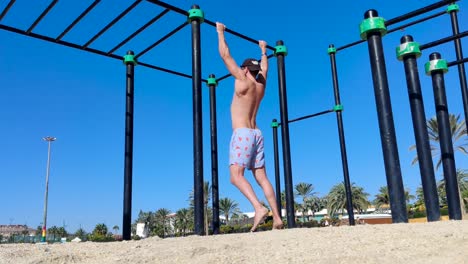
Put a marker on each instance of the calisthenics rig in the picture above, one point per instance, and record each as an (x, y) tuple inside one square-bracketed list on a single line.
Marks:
[(194, 17), (372, 29)]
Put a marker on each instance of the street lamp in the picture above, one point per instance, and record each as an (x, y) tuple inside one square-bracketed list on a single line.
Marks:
[(44, 223)]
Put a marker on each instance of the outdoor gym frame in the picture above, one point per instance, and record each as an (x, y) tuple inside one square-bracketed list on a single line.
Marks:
[(372, 29), (194, 17)]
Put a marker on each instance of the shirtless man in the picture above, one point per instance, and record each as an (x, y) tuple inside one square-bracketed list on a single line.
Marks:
[(246, 147)]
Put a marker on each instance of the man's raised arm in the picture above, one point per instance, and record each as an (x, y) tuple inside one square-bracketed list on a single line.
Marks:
[(264, 61), (226, 55)]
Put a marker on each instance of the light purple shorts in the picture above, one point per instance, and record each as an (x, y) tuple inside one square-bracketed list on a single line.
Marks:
[(246, 148)]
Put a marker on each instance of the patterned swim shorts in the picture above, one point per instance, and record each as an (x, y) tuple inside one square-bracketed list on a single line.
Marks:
[(246, 148)]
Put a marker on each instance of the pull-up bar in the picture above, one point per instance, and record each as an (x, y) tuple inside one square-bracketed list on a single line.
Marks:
[(443, 40), (310, 116), (78, 19), (115, 20), (7, 8), (406, 17), (138, 31), (419, 11), (457, 62), (177, 29), (211, 23), (43, 14)]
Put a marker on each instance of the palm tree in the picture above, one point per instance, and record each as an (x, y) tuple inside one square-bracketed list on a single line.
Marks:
[(304, 190), (161, 222), (53, 231), (206, 201), (462, 179), (61, 232), (458, 131), (227, 207), (81, 233), (100, 229), (382, 199), (116, 229), (183, 219), (336, 199), (315, 204)]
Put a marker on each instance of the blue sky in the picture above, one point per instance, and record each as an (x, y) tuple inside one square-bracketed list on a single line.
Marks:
[(79, 98)]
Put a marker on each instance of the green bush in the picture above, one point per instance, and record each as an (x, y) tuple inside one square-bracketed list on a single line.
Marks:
[(311, 223), (100, 238), (226, 229)]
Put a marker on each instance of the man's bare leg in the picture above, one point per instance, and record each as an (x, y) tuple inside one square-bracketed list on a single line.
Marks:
[(238, 179), (262, 180)]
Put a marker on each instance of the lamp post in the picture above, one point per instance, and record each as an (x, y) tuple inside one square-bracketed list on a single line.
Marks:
[(44, 223)]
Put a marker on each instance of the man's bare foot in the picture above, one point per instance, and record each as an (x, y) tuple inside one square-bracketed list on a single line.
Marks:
[(277, 225), (259, 217)]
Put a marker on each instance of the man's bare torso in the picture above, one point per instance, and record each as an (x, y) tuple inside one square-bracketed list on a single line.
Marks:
[(248, 94)]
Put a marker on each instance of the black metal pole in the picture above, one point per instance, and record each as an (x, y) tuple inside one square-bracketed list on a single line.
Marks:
[(197, 126), (285, 135), (461, 66), (128, 163), (339, 120), (214, 153), (409, 55), (445, 138), (386, 125), (274, 126)]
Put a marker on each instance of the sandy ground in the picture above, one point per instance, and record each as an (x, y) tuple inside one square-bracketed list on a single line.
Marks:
[(439, 242)]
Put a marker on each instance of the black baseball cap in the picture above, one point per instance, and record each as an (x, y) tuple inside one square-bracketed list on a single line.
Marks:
[(251, 64)]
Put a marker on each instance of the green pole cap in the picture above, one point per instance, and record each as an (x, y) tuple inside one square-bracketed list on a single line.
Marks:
[(130, 58), (195, 14), (281, 49), (331, 50), (408, 48), (453, 8), (372, 24), (338, 108), (436, 65), (274, 124), (211, 81)]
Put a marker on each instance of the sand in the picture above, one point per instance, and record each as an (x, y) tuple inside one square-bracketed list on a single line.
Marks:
[(437, 242)]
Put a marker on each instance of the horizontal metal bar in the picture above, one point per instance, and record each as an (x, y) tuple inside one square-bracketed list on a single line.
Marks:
[(418, 12), (165, 70), (78, 19), (149, 23), (443, 40), (417, 21), (43, 14), (161, 40), (310, 116), (95, 51), (166, 5), (211, 23), (350, 45), (126, 11), (453, 63), (7, 8), (223, 77)]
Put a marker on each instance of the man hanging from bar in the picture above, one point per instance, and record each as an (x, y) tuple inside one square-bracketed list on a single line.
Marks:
[(246, 147)]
